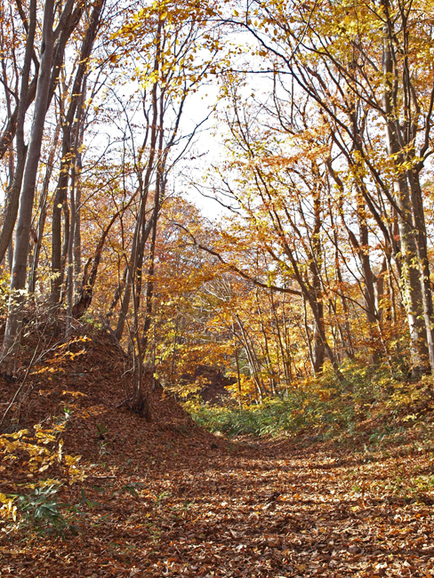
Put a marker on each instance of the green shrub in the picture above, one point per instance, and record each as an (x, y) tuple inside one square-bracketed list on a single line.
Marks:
[(321, 405)]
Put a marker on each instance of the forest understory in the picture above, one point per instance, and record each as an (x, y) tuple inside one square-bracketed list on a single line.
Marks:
[(167, 498)]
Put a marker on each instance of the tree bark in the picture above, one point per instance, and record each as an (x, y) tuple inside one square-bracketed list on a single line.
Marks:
[(13, 194), (19, 268), (59, 256), (411, 287), (50, 63)]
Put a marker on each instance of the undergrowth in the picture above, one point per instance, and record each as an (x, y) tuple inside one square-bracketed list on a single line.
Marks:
[(32, 456), (324, 408)]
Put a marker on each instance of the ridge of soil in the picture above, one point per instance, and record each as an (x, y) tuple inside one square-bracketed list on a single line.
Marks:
[(90, 378), (167, 498)]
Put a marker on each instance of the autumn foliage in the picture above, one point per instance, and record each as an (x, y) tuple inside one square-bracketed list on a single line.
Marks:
[(219, 210)]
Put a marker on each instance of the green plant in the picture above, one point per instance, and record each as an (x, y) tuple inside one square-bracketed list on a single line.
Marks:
[(85, 501), (103, 443), (160, 497), (102, 429), (132, 489), (42, 511), (322, 406)]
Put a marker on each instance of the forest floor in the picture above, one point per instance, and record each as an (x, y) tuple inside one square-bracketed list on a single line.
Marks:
[(167, 498)]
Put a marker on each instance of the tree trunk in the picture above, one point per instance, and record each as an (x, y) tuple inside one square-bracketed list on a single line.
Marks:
[(410, 277), (19, 268), (50, 63), (43, 202), (59, 255), (419, 221), (13, 194)]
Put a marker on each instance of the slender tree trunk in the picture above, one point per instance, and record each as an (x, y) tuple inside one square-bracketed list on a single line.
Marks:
[(318, 347), (240, 393), (284, 356), (143, 228), (150, 282), (411, 289), (252, 361), (19, 269), (419, 221), (43, 201), (368, 277), (13, 194), (59, 253), (78, 188)]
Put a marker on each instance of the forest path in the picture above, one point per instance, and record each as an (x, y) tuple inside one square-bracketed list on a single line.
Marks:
[(271, 510), (259, 509)]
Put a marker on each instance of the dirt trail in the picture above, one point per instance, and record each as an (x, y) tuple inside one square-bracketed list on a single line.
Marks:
[(261, 510), (168, 499)]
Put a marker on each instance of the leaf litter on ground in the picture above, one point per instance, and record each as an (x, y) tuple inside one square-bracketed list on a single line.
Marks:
[(167, 498)]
